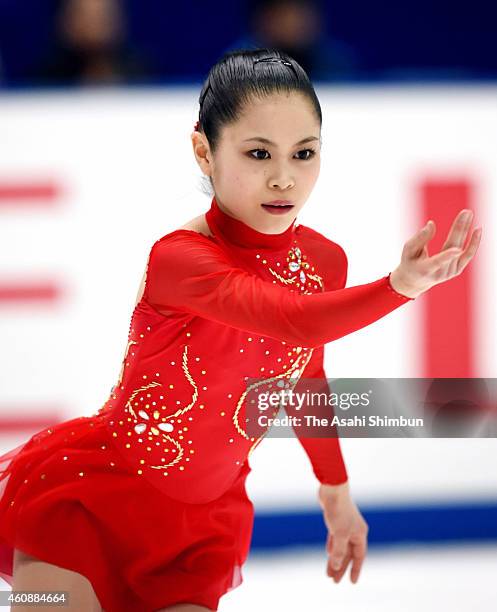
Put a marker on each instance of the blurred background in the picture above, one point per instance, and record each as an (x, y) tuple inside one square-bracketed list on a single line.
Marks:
[(98, 99)]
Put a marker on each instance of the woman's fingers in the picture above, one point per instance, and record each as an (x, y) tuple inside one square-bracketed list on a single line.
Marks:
[(415, 245), (457, 265), (338, 548), (355, 553), (433, 263), (459, 229), (359, 554), (469, 251), (337, 574), (420, 271), (455, 238)]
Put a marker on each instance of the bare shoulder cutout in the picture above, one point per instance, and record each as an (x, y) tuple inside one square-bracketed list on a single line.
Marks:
[(198, 224), (141, 288)]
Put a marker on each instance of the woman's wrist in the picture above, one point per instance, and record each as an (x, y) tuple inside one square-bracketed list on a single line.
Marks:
[(398, 284), (334, 490)]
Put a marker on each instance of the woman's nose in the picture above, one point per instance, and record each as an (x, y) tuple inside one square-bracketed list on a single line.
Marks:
[(281, 179)]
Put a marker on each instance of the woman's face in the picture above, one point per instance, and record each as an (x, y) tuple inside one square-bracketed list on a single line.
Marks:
[(263, 157)]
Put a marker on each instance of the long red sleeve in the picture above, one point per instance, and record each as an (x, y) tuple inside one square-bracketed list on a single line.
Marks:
[(188, 272), (324, 453)]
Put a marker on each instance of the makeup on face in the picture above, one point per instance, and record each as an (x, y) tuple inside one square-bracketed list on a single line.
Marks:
[(277, 207)]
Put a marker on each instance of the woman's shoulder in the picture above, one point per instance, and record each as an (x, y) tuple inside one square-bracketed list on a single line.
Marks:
[(197, 224), (328, 256), (195, 229), (317, 241), (193, 242)]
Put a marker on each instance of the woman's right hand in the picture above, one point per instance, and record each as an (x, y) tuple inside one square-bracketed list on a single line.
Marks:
[(418, 272)]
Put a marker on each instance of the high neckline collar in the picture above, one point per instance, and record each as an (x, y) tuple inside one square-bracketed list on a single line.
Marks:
[(240, 234)]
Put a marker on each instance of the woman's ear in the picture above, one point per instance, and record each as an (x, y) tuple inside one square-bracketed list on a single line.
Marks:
[(202, 152)]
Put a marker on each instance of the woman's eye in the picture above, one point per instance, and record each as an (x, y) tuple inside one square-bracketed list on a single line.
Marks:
[(311, 152), (258, 151)]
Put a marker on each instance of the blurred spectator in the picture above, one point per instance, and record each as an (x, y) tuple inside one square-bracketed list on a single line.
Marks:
[(90, 46), (296, 27)]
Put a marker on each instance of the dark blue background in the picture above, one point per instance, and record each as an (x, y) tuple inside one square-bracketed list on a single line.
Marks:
[(413, 39)]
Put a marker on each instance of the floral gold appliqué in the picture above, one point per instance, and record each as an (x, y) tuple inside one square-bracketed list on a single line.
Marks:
[(302, 273), (157, 425)]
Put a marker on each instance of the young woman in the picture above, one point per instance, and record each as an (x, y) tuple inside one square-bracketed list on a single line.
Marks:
[(142, 506)]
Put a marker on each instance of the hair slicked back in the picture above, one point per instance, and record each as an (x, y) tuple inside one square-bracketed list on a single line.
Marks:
[(241, 75)]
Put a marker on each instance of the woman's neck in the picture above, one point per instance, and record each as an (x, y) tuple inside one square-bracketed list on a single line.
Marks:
[(238, 233)]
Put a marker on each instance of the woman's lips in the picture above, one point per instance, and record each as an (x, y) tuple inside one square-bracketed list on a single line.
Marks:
[(277, 209)]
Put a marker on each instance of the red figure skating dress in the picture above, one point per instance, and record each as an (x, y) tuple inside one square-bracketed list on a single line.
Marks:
[(146, 497)]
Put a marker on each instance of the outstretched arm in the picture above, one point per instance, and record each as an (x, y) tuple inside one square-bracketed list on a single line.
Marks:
[(188, 272)]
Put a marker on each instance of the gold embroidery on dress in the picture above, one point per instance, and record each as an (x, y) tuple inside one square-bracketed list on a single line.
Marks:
[(285, 281), (297, 264), (296, 369), (157, 428), (155, 425), (259, 439), (315, 277)]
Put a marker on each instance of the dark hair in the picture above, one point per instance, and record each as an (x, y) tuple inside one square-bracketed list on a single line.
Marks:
[(238, 76)]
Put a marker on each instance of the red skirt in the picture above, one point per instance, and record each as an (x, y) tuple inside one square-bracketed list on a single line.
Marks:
[(64, 503)]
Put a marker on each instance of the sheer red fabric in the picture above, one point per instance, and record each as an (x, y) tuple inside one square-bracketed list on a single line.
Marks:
[(147, 496)]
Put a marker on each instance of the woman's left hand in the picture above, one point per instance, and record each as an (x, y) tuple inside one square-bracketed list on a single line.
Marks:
[(347, 531)]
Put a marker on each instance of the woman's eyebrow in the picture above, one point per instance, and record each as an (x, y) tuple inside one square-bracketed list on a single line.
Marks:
[(266, 141)]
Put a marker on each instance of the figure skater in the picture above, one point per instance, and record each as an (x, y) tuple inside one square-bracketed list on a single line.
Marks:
[(142, 506)]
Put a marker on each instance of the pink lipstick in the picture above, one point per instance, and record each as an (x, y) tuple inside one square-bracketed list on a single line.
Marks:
[(277, 207)]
